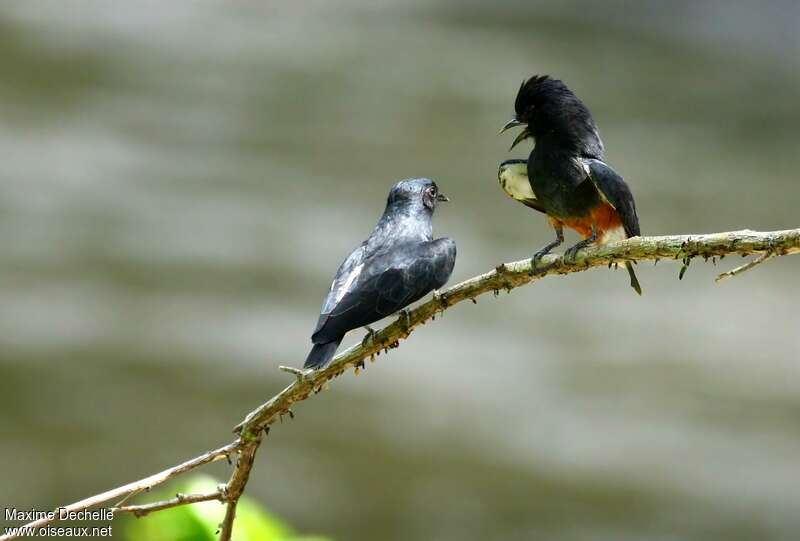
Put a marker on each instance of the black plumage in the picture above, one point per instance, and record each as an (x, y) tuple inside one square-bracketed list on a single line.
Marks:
[(398, 264), (566, 171), (613, 189)]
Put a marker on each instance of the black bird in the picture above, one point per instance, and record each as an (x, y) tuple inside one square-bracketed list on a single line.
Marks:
[(398, 264), (566, 176)]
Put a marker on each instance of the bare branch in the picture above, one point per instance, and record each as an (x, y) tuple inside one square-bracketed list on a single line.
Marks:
[(747, 266), (142, 485), (179, 499), (512, 275), (237, 483), (299, 372), (506, 276)]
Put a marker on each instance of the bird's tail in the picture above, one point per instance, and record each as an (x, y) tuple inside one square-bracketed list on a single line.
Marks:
[(320, 354), (634, 281)]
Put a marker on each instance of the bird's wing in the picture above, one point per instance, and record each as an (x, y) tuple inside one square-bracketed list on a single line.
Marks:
[(513, 178), (389, 282), (344, 281), (533, 203), (430, 265), (615, 192)]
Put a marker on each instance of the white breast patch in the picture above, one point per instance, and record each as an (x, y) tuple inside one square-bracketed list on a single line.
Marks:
[(613, 235)]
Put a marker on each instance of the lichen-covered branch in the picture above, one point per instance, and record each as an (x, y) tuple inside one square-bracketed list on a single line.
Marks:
[(512, 275), (504, 277)]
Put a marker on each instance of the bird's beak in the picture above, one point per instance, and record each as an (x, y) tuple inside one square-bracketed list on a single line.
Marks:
[(513, 123), (524, 134), (442, 198)]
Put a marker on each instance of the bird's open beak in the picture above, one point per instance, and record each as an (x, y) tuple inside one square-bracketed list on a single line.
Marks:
[(524, 134), (513, 123), (442, 198)]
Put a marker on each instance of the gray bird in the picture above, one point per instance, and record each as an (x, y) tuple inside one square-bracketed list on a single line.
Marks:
[(398, 264)]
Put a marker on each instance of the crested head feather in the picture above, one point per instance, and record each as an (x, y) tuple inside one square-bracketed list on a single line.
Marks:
[(541, 90), (526, 93), (551, 110)]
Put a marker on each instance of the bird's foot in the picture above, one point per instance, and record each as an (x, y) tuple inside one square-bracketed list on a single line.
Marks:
[(571, 252), (440, 299), (369, 337), (405, 318), (546, 249), (537, 257)]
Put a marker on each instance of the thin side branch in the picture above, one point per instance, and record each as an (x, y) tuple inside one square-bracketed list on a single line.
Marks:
[(140, 511), (142, 485), (747, 266), (506, 276)]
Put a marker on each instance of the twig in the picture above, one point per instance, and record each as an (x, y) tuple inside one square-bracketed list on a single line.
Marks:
[(179, 499), (747, 266), (299, 372), (237, 483), (126, 498), (506, 276), (141, 485)]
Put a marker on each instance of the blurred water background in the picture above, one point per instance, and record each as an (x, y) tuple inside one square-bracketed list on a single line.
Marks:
[(179, 181)]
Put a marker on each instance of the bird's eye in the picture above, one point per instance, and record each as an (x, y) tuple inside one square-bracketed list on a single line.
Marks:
[(432, 190)]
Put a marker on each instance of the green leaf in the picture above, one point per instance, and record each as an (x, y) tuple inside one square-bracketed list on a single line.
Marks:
[(200, 521)]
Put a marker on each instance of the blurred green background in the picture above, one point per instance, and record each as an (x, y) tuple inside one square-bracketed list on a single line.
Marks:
[(180, 180), (201, 521)]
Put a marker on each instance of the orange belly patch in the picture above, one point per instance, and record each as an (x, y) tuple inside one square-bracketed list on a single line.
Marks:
[(603, 216)]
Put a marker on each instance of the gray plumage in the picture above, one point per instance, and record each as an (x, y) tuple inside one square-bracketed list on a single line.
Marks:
[(398, 264)]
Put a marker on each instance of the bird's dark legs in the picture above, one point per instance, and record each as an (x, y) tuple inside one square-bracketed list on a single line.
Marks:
[(369, 336), (569, 255), (546, 250)]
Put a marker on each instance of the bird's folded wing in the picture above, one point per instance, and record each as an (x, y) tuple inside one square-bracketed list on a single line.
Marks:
[(344, 281), (616, 192), (388, 283), (533, 203), (513, 178)]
